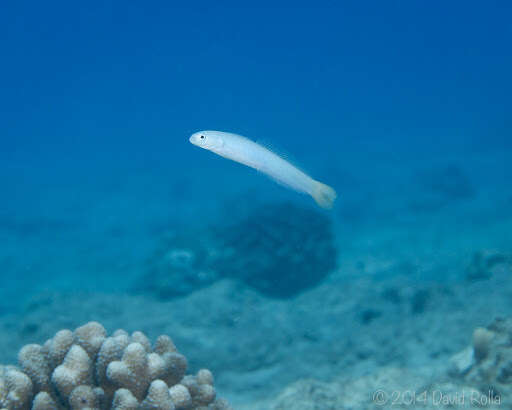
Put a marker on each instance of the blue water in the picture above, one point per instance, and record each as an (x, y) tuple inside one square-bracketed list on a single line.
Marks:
[(377, 99)]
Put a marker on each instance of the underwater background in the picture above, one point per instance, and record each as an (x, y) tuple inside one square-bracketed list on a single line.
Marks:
[(109, 214)]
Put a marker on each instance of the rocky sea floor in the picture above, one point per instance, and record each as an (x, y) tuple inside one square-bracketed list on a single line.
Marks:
[(417, 272), (331, 347)]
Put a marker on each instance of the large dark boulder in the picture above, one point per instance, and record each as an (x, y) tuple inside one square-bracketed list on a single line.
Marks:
[(279, 250)]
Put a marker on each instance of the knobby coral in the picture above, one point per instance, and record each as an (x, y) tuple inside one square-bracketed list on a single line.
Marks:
[(86, 369), (487, 363)]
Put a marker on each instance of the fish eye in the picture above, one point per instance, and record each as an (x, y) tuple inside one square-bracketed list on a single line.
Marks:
[(202, 137)]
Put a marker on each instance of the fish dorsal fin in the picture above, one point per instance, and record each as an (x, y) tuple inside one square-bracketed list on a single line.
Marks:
[(278, 151)]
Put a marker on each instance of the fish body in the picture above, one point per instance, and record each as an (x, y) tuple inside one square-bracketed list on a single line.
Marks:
[(245, 151)]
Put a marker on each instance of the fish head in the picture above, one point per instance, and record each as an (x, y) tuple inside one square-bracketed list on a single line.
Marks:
[(210, 140)]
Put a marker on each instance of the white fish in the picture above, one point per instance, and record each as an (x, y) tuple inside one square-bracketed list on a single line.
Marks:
[(247, 152)]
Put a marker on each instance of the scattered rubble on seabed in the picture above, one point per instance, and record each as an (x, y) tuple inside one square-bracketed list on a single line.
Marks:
[(340, 345)]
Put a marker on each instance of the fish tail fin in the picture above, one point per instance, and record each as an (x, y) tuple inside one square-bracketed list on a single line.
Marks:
[(323, 195)]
